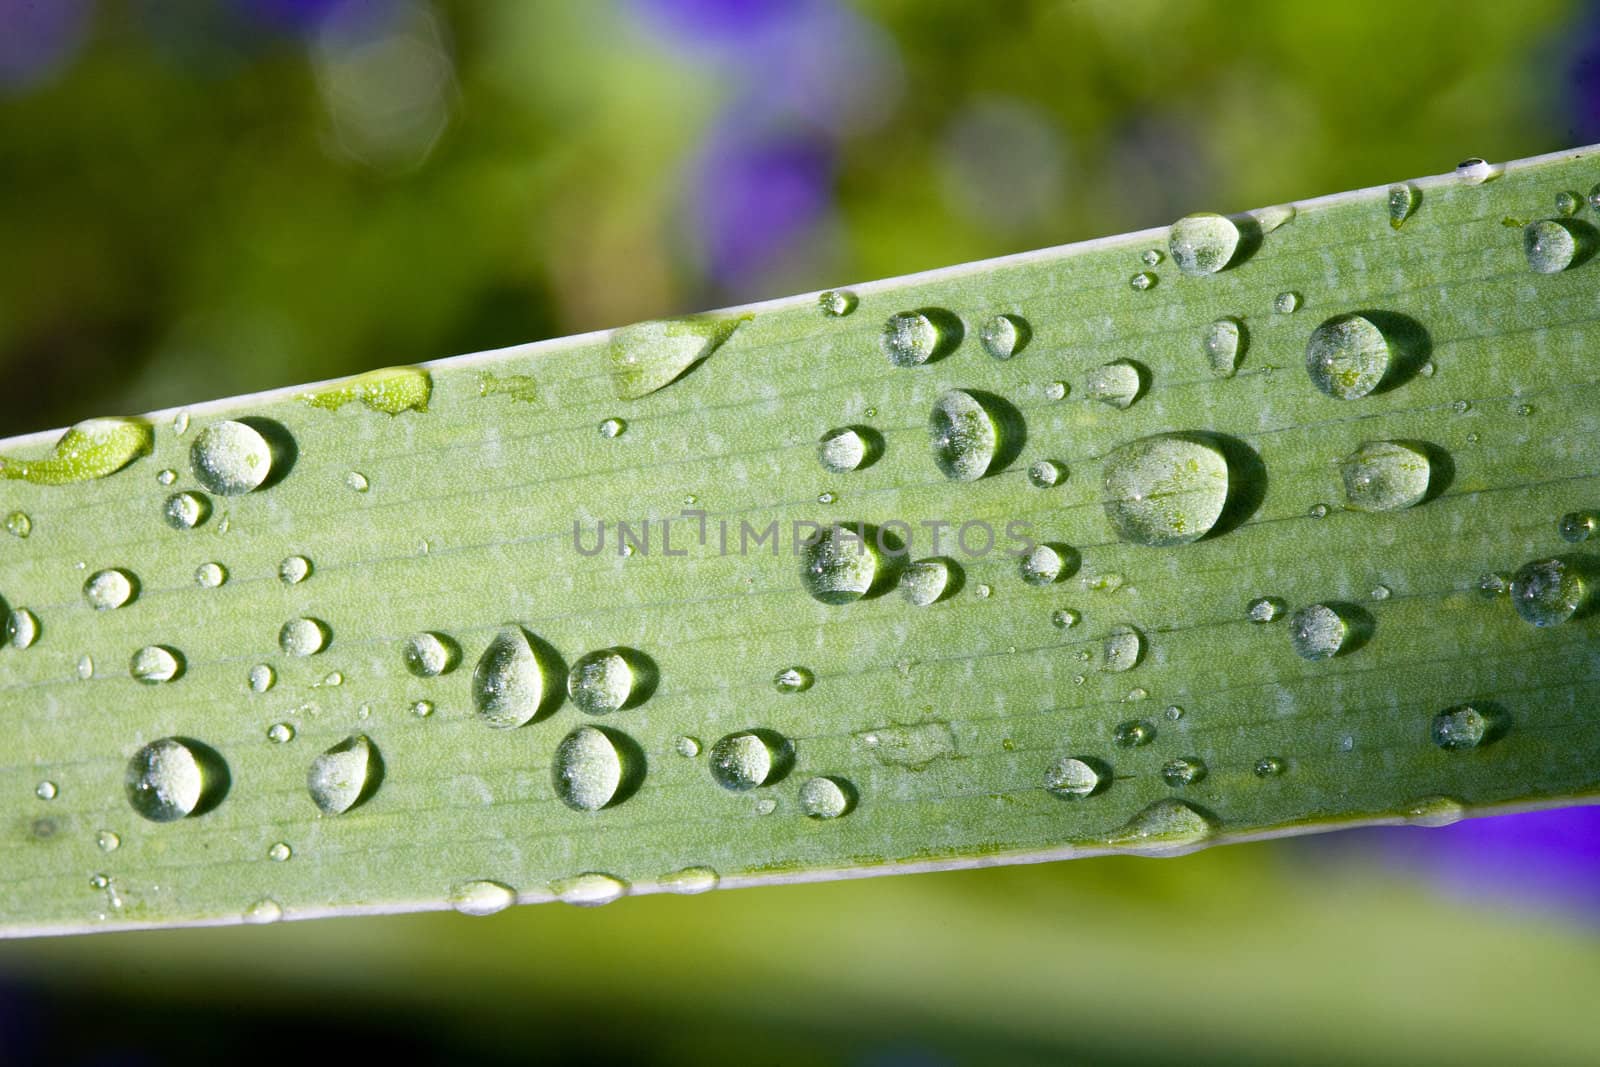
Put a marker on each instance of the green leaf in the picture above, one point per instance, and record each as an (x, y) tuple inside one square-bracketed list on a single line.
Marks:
[(372, 659)]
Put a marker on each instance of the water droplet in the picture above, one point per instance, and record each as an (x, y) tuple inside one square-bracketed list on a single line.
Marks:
[(965, 435), (1268, 767), (1004, 336), (911, 338), (1461, 407), (22, 628), (1474, 171), (1117, 383), (1064, 618), (230, 458), (1577, 526), (825, 798), (924, 581), (1385, 476), (1056, 390), (1402, 202), (210, 575), (842, 450), (155, 664), (1547, 592), (1347, 357), (1435, 811), (99, 881), (1492, 585), (1046, 564), (838, 565), (1381, 592), (508, 684), (18, 524), (429, 654), (334, 678), (691, 880), (45, 790), (601, 682), (1044, 473), (262, 678), (1549, 245), (1286, 302), (1264, 609), (280, 852), (1185, 770), (590, 890), (748, 759), (792, 680), (85, 667), (588, 769), (1463, 726), (982, 591), (1142, 281), (1173, 712), (1166, 824), (1428, 370), (108, 589), (1317, 632), (1121, 650), (1151, 257), (1223, 344), (1075, 777), (837, 302), (302, 637), (422, 708), (1568, 202), (482, 897), (108, 840), (294, 570), (825, 498), (686, 746), (169, 779), (390, 390), (356, 481), (344, 775), (263, 912), (93, 448), (1169, 489), (1133, 733), (280, 733), (1204, 243), (1318, 511), (613, 428), (185, 511)]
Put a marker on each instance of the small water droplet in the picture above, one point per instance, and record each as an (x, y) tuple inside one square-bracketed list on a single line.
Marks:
[(1121, 650), (1435, 811), (826, 798), (1461, 407), (1151, 257), (1133, 733), (1576, 527), (1547, 592), (1117, 384), (1004, 336), (108, 840), (1268, 767), (482, 897), (911, 338), (1474, 171), (588, 769), (99, 881), (1044, 473), (749, 759), (792, 680), (18, 524), (590, 890), (303, 637), (1064, 618), (180, 423), (230, 458), (965, 435), (422, 708), (691, 880), (1203, 243), (1075, 777), (837, 302), (1568, 202), (108, 589), (1492, 585), (85, 667), (1286, 302), (1173, 712), (280, 733), (825, 497), (262, 678), (280, 852), (1056, 390), (1318, 511), (1142, 281), (344, 775), (1428, 370), (1347, 356), (1402, 202), (1549, 245), (1223, 344), (1385, 476), (154, 664), (356, 482), (263, 912), (841, 450), (45, 790), (686, 746), (508, 684), (185, 511), (210, 575), (294, 570), (430, 654), (982, 591), (601, 682), (1047, 564), (168, 779), (1264, 609), (22, 628), (1381, 592), (610, 428), (1317, 632), (1461, 727), (839, 565), (334, 678), (1185, 770), (1168, 489)]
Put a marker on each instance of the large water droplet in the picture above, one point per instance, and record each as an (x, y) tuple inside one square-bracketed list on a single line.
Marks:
[(1167, 824), (482, 897), (1204, 243), (1168, 489), (1317, 632), (344, 776), (912, 338), (1004, 336), (185, 511), (589, 890), (965, 435), (508, 684), (1117, 383), (826, 798), (1547, 592), (171, 778), (109, 589), (1550, 246), (22, 628), (1402, 201), (294, 570), (839, 565), (1223, 344), (390, 391), (1047, 564), (1075, 777), (91, 449), (601, 682), (842, 450), (230, 458), (749, 759), (1462, 727), (210, 575), (1347, 356), (262, 678), (653, 355), (1121, 650), (1385, 476), (1576, 527), (303, 637), (429, 654), (154, 664), (925, 581), (589, 768)]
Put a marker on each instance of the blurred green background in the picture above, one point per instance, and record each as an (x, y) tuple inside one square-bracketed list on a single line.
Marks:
[(205, 197)]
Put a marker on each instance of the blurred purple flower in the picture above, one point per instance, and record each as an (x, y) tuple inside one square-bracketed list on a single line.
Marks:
[(716, 24), (1583, 78), (287, 16), (39, 37), (756, 192)]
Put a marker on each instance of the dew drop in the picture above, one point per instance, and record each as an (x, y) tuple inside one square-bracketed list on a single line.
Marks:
[(982, 591), (588, 769), (965, 436), (85, 667), (590, 890), (230, 458), (280, 733), (1165, 824), (1549, 245), (826, 498), (837, 302), (302, 637), (1492, 585), (92, 449), (748, 759), (1317, 632), (108, 589), (210, 575), (263, 912), (22, 628), (1133, 733), (1204, 243), (508, 684), (1056, 390), (334, 678), (686, 746), (180, 423), (1121, 650), (1223, 344), (838, 565), (344, 775), (185, 511), (422, 708), (1435, 811), (356, 482), (1045, 565), (167, 780), (1286, 302), (155, 664), (1074, 777), (911, 338), (1004, 336), (280, 852), (1064, 618), (601, 682), (108, 840), (842, 450), (691, 880), (825, 798), (1547, 592), (1474, 171), (1264, 609), (1142, 281), (610, 428), (294, 570), (430, 654), (1381, 592), (1318, 511), (262, 678), (1463, 726), (1347, 356), (924, 581), (792, 680), (1168, 489), (1173, 712), (1385, 476), (1151, 257), (45, 790), (482, 897), (1577, 526), (1185, 770), (1044, 473), (1117, 384), (18, 524), (1568, 202), (1402, 202), (1268, 767)]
